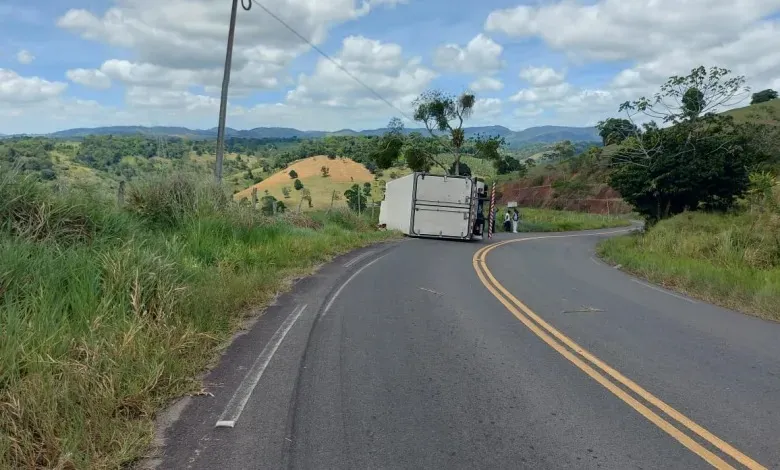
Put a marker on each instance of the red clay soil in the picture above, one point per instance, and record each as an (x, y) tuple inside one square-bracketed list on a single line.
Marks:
[(603, 200)]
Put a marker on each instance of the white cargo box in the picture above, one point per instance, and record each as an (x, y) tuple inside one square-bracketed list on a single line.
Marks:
[(425, 205)]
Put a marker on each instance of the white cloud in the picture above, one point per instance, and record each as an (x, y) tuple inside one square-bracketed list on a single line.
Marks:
[(528, 110), (486, 108), (179, 100), (481, 55), (660, 37), (191, 33), (181, 43), (25, 57), (542, 76), (378, 65), (89, 78), (15, 89), (631, 29), (486, 84), (543, 94)]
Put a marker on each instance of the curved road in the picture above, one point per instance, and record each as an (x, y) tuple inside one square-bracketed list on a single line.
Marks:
[(522, 353)]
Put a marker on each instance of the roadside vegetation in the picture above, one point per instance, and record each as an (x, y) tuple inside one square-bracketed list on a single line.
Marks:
[(727, 259), (107, 313), (706, 184), (548, 220)]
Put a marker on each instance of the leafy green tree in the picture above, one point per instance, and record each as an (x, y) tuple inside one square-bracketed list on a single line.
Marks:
[(563, 150), (700, 162), (615, 131), (367, 190), (267, 203), (298, 185), (286, 192), (355, 198), (441, 112), (306, 196), (420, 153), (325, 171), (463, 169), (763, 96), (293, 174)]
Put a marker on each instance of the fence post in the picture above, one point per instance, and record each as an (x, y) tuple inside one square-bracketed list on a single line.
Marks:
[(120, 194), (254, 198)]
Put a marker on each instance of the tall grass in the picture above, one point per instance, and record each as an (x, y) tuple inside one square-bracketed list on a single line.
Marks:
[(548, 220), (106, 314), (732, 260)]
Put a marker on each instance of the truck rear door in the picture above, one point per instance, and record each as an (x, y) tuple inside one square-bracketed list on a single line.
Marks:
[(443, 206)]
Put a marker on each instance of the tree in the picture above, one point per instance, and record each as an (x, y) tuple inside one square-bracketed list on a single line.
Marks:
[(463, 169), (563, 150), (325, 171), (763, 96), (420, 153), (700, 162), (293, 174), (267, 204), (355, 199), (286, 192), (615, 131), (298, 185), (306, 196), (445, 113), (367, 190), (686, 98)]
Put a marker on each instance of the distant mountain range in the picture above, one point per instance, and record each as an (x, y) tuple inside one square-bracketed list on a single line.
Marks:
[(532, 135)]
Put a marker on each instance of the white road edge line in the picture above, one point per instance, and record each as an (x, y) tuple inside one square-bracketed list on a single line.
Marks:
[(333, 299), (241, 396), (650, 286), (357, 258)]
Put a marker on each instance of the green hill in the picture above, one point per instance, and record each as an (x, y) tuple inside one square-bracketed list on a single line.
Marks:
[(765, 113)]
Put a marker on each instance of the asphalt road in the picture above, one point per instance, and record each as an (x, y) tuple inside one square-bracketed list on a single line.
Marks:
[(524, 354)]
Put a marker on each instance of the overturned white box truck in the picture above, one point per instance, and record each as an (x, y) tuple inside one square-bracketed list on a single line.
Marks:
[(436, 206)]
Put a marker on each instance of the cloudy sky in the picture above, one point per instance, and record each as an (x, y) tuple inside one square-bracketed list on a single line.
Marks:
[(83, 63)]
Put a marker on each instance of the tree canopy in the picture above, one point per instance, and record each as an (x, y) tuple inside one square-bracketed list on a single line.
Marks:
[(445, 113), (700, 162), (763, 96), (615, 130)]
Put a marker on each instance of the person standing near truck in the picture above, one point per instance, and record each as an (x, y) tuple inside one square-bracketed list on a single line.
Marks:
[(515, 220), (507, 221)]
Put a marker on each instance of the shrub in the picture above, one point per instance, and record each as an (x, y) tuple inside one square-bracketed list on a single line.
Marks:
[(170, 201), (298, 185), (293, 174)]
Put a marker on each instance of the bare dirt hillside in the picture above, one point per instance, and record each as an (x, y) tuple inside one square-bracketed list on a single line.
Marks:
[(343, 172)]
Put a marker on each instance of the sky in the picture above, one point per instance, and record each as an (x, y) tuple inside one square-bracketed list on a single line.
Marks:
[(87, 63)]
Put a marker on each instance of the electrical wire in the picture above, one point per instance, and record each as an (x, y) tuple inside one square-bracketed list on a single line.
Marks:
[(325, 55), (246, 4)]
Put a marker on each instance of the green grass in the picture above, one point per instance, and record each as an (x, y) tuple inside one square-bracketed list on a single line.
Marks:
[(547, 220), (766, 113), (731, 260), (108, 314)]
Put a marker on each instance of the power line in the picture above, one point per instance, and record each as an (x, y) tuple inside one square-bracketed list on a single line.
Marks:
[(324, 54)]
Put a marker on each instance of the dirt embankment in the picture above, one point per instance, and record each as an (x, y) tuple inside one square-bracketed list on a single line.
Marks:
[(595, 199)]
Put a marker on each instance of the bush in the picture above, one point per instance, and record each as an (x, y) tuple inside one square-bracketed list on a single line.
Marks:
[(293, 174), (730, 259), (298, 185), (171, 201)]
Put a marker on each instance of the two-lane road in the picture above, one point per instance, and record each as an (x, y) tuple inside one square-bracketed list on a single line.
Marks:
[(522, 353)]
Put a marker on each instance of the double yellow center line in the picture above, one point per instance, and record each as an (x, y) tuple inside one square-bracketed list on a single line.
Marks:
[(611, 379)]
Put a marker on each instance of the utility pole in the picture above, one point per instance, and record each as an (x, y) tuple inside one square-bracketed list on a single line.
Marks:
[(225, 85)]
